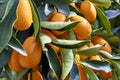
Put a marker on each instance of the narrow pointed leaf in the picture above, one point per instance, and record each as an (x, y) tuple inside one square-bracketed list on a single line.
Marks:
[(90, 73), (36, 19), (116, 66), (69, 43), (53, 60), (61, 26), (90, 51), (104, 21), (44, 40), (115, 76), (6, 24), (16, 45), (106, 54), (98, 65), (103, 3), (67, 62)]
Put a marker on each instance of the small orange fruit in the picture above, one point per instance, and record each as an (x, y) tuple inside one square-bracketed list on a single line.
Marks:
[(36, 75), (14, 63), (24, 15), (83, 75), (77, 58), (96, 57), (52, 36), (83, 29), (105, 75), (99, 40), (34, 53), (58, 17), (88, 10)]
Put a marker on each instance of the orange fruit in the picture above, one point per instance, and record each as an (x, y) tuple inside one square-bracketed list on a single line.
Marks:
[(36, 75), (83, 29), (105, 75), (96, 57), (77, 58), (58, 17), (34, 53), (14, 63), (52, 36), (88, 10), (24, 15), (99, 40), (83, 75)]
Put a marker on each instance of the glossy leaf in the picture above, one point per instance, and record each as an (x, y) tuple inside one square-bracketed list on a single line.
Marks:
[(90, 73), (36, 19), (70, 44), (53, 60), (90, 51), (67, 62), (44, 40), (104, 21), (4, 57), (106, 54), (61, 26), (116, 66), (98, 65), (16, 45), (103, 3), (6, 24)]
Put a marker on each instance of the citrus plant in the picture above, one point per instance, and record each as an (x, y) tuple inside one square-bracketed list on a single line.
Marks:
[(59, 40)]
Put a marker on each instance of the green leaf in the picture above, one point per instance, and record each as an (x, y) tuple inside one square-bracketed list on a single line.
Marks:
[(69, 44), (4, 57), (53, 60), (61, 26), (115, 76), (106, 54), (3, 4), (103, 3), (91, 74), (98, 65), (116, 66), (36, 19), (67, 62), (16, 45), (8, 73), (104, 21), (44, 40), (19, 75), (90, 51), (6, 24)]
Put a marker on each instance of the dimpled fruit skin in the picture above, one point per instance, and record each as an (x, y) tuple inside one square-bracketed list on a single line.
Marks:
[(24, 15), (83, 29), (88, 10), (99, 40), (14, 63), (34, 53)]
